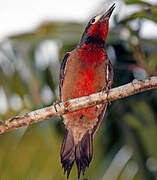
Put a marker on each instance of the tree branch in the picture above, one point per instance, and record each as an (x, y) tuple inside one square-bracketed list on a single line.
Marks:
[(78, 103)]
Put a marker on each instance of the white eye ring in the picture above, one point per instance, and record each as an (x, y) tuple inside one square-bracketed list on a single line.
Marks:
[(95, 19)]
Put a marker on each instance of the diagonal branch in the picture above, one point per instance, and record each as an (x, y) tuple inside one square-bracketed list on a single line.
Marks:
[(72, 105)]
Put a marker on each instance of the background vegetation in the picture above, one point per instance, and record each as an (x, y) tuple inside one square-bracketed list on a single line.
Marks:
[(125, 148)]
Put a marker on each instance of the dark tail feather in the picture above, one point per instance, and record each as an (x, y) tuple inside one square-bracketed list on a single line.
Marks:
[(82, 153), (68, 152)]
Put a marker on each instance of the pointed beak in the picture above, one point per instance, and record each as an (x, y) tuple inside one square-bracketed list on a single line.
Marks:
[(108, 13)]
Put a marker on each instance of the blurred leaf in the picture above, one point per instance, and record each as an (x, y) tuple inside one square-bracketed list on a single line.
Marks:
[(149, 13), (143, 3), (152, 61), (132, 121)]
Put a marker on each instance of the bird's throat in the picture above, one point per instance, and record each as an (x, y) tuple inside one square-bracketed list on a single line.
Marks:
[(92, 54)]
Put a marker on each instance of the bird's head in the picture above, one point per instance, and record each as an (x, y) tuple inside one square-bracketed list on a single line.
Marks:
[(97, 29)]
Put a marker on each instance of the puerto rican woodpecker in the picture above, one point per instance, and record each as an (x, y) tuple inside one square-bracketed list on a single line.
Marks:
[(85, 70)]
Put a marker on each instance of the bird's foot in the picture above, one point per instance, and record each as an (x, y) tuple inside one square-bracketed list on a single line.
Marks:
[(55, 105), (107, 90)]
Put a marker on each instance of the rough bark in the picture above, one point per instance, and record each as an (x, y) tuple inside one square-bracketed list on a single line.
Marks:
[(72, 105)]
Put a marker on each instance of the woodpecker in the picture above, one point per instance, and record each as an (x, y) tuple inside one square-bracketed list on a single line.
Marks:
[(85, 70)]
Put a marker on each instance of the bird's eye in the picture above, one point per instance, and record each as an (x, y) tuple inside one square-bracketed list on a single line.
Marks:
[(93, 21)]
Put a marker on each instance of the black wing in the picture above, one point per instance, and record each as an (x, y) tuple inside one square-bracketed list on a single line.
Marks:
[(110, 75), (62, 72)]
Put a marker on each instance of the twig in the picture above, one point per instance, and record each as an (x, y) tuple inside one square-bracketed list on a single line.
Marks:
[(78, 103)]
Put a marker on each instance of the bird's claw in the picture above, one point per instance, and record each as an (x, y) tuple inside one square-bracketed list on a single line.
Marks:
[(55, 105), (107, 90)]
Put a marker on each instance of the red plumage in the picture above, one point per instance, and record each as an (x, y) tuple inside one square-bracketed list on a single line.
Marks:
[(84, 71)]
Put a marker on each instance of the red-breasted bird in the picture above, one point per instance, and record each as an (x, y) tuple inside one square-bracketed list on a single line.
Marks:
[(84, 71)]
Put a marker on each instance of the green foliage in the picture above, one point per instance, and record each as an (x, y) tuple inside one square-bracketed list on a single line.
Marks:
[(138, 2), (125, 147)]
